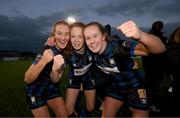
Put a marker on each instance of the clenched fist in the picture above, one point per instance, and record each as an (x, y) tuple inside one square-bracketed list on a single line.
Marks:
[(58, 62), (47, 55), (130, 29)]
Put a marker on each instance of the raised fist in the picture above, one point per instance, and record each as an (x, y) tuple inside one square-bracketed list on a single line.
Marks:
[(58, 62), (130, 29)]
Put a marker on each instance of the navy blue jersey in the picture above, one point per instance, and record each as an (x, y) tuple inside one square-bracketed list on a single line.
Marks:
[(117, 64), (45, 73), (42, 89), (80, 64)]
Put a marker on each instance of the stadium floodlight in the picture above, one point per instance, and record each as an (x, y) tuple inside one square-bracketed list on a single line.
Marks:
[(71, 20)]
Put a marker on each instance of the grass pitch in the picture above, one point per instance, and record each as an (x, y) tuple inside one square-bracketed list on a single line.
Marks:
[(12, 89)]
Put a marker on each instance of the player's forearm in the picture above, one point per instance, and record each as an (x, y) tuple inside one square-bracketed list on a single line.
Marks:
[(33, 72), (152, 43), (56, 75)]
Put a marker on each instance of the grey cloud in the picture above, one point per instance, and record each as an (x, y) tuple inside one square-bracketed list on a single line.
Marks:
[(166, 10), (19, 32), (28, 30), (170, 27), (138, 8), (23, 32), (118, 7)]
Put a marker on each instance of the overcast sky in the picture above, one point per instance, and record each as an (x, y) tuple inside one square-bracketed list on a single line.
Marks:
[(25, 24)]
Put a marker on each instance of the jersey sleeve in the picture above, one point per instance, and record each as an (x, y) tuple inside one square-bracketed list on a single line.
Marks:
[(129, 47), (125, 48), (39, 55), (37, 58)]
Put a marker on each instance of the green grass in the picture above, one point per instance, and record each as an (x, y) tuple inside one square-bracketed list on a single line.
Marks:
[(12, 89), (12, 100)]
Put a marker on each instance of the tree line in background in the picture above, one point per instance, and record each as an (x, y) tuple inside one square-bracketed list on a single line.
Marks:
[(20, 55)]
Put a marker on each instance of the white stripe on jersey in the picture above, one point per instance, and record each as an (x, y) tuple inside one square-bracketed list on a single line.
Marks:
[(109, 70), (82, 71)]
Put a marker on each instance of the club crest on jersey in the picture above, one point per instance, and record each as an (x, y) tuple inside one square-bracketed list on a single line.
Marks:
[(90, 58), (111, 61), (74, 64)]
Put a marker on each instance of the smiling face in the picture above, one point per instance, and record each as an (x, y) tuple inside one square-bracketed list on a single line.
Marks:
[(61, 35), (77, 38), (94, 38)]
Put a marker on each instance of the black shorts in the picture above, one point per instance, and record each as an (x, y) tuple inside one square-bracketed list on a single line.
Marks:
[(87, 82), (135, 98), (39, 93)]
